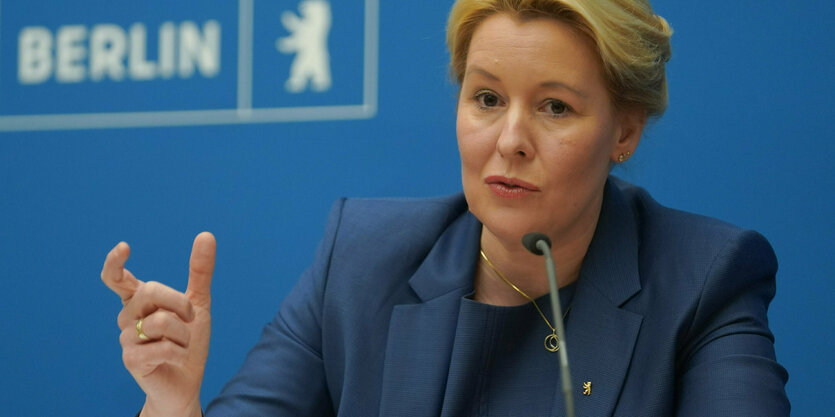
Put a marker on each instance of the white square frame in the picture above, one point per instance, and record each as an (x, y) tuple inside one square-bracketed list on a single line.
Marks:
[(244, 112)]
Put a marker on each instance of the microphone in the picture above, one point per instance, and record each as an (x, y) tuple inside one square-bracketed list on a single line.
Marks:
[(531, 239), (540, 244)]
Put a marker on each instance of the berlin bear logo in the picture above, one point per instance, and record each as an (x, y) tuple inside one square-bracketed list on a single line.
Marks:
[(309, 41)]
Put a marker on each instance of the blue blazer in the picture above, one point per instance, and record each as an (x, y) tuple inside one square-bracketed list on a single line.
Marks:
[(668, 317)]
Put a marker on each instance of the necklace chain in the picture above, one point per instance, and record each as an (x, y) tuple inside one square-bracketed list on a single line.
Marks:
[(551, 341)]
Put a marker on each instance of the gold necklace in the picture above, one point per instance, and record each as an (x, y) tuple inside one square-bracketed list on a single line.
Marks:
[(552, 342)]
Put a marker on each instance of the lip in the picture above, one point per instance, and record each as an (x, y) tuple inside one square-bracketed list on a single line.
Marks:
[(510, 187)]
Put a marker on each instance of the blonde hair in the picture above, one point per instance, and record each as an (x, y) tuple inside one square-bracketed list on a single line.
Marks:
[(632, 41)]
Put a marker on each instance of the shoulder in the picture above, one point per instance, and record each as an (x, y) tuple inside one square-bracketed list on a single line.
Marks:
[(684, 238), (381, 212), (369, 250), (699, 266), (381, 242), (696, 264), (705, 290), (382, 222)]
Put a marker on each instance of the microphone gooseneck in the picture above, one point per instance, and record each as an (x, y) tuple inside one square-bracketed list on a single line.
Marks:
[(540, 244)]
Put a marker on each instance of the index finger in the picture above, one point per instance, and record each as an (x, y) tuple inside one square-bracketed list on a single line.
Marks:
[(114, 274)]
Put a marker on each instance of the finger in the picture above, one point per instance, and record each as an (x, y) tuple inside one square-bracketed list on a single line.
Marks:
[(114, 274), (142, 360), (201, 267), (130, 336), (152, 296), (165, 324), (160, 324)]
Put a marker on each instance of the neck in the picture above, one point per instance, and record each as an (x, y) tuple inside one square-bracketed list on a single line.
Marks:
[(524, 269)]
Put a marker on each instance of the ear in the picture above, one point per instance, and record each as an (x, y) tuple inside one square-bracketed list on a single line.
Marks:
[(631, 127)]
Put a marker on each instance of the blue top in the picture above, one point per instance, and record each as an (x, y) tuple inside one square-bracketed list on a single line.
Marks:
[(499, 361), (669, 317)]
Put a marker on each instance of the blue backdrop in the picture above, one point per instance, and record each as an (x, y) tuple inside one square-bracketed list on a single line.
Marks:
[(88, 159)]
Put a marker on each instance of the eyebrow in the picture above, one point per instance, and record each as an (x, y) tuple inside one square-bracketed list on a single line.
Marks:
[(557, 84), (546, 84)]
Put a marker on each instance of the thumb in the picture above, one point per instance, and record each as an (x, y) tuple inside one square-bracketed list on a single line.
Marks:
[(201, 266)]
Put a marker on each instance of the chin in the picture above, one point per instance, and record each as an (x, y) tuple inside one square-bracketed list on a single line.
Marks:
[(506, 224)]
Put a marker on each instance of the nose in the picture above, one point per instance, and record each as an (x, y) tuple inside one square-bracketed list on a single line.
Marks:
[(515, 140)]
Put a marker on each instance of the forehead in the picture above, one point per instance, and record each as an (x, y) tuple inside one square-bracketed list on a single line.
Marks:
[(538, 47)]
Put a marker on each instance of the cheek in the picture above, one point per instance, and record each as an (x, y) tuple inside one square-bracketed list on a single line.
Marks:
[(595, 155), (460, 128), (577, 157), (470, 142)]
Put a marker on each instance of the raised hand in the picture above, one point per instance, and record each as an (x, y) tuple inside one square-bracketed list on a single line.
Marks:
[(165, 333)]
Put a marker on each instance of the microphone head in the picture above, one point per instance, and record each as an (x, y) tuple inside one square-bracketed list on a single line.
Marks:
[(530, 239)]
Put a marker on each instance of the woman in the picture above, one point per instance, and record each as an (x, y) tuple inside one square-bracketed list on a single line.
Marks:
[(433, 307)]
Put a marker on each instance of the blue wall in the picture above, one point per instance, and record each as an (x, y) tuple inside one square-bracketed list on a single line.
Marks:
[(747, 138)]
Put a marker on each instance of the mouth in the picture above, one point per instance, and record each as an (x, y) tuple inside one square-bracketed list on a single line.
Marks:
[(510, 187)]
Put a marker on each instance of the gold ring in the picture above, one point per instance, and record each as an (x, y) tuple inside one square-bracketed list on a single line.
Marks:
[(140, 333)]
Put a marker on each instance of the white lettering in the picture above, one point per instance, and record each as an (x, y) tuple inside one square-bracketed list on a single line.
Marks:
[(203, 51), (70, 54), (34, 60), (139, 66), (107, 52), (167, 41)]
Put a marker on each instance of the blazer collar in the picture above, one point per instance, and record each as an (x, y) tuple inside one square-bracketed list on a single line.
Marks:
[(600, 335), (450, 265), (421, 335), (611, 262)]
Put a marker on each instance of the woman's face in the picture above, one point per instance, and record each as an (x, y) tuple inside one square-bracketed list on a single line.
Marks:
[(537, 131)]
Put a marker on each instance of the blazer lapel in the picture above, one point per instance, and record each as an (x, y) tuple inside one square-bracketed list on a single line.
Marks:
[(421, 335), (600, 336), (600, 340)]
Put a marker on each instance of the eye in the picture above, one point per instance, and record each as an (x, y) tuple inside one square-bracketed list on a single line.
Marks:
[(487, 99), (555, 108)]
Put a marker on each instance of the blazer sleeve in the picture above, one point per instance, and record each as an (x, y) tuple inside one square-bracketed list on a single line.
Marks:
[(727, 366), (283, 374)]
